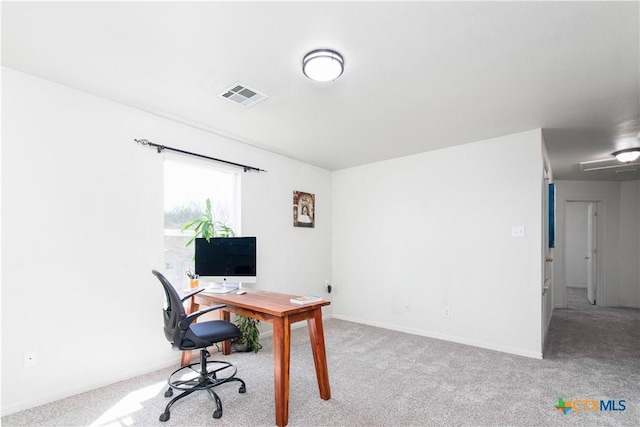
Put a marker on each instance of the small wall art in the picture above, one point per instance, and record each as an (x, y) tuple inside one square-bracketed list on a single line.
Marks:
[(304, 209)]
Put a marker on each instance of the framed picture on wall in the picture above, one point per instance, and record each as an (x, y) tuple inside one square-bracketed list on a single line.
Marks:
[(304, 209)]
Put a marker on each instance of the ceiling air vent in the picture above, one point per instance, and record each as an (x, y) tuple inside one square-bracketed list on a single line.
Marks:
[(242, 94)]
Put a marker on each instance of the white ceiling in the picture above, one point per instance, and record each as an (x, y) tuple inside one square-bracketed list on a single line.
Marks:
[(419, 75)]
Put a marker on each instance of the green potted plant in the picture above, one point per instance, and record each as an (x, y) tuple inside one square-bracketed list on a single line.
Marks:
[(207, 227), (250, 334)]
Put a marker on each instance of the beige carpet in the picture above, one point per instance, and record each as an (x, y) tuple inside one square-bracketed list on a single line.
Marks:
[(386, 378)]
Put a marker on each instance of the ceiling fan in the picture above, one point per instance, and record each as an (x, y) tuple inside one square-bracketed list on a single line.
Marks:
[(627, 140)]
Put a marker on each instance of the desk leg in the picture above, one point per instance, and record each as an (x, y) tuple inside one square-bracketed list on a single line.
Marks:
[(316, 335), (190, 308), (226, 345), (281, 359)]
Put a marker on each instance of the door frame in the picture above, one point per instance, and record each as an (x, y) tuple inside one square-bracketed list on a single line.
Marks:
[(600, 209), (547, 274), (592, 253)]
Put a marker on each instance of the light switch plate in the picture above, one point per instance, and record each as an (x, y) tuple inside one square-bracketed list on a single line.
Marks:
[(517, 231)]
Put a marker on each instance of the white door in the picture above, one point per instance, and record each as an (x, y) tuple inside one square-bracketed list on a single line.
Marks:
[(592, 250)]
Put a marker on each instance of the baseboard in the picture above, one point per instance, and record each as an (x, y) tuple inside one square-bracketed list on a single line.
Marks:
[(444, 337)]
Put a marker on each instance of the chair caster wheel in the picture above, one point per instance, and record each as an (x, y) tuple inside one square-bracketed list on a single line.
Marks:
[(165, 416), (217, 414), (168, 393), (243, 389)]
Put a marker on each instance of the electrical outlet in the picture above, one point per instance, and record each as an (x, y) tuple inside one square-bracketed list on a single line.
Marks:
[(446, 312), (30, 359), (327, 286)]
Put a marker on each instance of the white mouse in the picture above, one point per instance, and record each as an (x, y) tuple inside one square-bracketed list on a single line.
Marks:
[(241, 292)]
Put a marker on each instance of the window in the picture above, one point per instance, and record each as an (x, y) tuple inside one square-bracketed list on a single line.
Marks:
[(188, 184)]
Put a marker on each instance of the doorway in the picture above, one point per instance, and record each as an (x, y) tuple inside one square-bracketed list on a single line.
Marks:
[(583, 288)]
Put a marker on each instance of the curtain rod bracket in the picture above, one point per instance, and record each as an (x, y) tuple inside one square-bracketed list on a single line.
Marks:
[(160, 148)]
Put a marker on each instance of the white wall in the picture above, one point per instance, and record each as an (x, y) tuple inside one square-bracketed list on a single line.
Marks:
[(414, 235), (576, 244), (82, 229), (618, 222)]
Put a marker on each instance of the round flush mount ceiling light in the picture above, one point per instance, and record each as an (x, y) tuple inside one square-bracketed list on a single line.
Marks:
[(627, 134), (627, 155), (323, 65)]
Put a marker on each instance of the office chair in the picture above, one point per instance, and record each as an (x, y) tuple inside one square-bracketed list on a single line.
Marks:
[(183, 334)]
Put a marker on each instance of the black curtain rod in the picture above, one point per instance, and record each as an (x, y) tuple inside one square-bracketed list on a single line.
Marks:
[(177, 150)]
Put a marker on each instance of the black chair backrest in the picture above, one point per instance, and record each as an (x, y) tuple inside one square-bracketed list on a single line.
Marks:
[(173, 314)]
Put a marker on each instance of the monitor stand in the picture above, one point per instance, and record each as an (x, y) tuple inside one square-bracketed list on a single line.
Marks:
[(221, 288)]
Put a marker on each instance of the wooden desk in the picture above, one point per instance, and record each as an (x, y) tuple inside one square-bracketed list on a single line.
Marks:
[(277, 309)]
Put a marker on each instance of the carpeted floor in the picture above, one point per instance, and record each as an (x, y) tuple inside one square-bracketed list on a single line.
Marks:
[(386, 378), (577, 299)]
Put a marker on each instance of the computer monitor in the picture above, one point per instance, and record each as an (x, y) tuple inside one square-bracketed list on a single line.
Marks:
[(226, 260)]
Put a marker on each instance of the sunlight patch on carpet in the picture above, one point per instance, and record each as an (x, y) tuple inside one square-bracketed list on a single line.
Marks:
[(119, 415)]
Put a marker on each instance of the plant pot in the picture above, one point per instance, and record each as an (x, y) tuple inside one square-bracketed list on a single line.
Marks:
[(240, 347)]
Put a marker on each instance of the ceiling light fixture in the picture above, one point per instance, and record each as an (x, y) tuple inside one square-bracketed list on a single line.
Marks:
[(323, 65), (627, 155), (627, 136)]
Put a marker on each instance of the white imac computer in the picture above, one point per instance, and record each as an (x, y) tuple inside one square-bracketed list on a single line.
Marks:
[(223, 264)]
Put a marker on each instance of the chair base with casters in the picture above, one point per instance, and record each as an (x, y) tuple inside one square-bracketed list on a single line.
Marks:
[(205, 379)]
